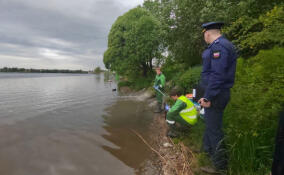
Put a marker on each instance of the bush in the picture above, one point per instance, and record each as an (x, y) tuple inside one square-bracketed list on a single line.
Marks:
[(97, 70), (189, 79), (123, 83), (172, 69), (252, 115), (141, 83), (138, 83)]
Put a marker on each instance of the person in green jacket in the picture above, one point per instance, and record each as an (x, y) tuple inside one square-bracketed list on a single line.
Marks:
[(159, 86), (181, 115)]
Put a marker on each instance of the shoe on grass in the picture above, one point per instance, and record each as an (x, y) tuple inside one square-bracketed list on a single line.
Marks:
[(172, 134)]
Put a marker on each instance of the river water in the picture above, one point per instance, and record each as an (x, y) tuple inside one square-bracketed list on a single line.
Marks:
[(70, 124)]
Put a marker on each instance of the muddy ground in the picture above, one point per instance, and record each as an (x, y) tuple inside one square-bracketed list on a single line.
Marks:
[(172, 158)]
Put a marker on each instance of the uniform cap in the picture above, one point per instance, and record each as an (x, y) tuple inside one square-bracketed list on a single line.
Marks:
[(212, 25)]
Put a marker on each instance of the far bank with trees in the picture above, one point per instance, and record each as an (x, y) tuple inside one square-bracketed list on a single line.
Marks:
[(23, 70)]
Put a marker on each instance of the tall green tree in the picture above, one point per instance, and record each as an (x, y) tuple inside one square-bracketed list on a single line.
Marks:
[(133, 42), (182, 20)]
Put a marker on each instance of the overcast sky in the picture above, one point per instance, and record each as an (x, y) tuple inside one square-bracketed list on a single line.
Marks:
[(60, 34)]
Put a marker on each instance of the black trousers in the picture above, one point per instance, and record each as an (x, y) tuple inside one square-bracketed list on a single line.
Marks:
[(213, 139), (278, 160)]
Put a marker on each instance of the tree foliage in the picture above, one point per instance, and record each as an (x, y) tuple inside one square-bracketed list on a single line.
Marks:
[(97, 70), (252, 34), (182, 19), (133, 42)]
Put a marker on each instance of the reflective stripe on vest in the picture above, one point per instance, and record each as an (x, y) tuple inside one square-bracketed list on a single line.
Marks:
[(170, 122), (187, 110), (189, 114)]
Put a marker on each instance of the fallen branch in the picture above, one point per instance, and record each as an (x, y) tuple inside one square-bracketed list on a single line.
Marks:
[(183, 168)]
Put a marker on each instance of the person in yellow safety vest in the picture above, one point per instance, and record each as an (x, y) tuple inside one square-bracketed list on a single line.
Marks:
[(182, 113)]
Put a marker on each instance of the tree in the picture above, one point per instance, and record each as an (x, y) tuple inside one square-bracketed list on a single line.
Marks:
[(97, 70), (133, 42), (182, 19)]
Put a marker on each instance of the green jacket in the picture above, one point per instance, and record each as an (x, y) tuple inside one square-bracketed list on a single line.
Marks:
[(160, 81)]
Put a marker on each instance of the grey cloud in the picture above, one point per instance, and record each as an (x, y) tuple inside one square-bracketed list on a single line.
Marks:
[(73, 29)]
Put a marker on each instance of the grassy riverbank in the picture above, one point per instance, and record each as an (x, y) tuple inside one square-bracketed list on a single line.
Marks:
[(250, 119)]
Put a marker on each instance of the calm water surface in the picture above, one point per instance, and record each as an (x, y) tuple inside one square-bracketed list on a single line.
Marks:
[(67, 124)]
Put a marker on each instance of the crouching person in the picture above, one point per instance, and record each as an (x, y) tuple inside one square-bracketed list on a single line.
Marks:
[(181, 115)]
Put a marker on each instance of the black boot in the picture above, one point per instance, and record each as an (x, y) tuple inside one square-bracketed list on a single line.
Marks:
[(172, 133), (220, 157)]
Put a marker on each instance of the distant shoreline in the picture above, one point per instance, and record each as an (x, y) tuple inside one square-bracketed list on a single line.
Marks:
[(48, 72), (23, 70)]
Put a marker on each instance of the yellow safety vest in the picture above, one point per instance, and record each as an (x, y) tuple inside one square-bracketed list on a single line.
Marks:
[(189, 114)]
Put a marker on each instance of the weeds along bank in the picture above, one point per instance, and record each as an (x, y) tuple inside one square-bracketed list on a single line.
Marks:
[(251, 117)]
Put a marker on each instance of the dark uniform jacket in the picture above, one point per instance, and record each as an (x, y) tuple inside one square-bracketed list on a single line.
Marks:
[(219, 67)]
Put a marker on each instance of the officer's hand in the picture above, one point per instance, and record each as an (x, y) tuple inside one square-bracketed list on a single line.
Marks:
[(204, 103)]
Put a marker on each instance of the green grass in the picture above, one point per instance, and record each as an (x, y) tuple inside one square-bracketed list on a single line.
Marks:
[(250, 119), (193, 139)]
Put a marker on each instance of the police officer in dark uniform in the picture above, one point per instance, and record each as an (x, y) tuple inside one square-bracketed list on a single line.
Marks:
[(218, 75)]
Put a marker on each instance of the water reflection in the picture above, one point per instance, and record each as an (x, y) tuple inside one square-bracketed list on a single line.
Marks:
[(52, 124), (120, 119)]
